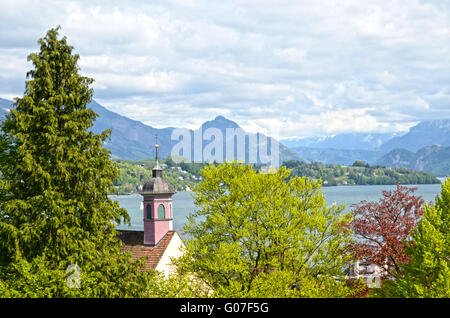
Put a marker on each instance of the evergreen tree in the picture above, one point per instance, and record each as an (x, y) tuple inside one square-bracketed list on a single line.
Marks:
[(428, 272), (7, 154), (56, 211)]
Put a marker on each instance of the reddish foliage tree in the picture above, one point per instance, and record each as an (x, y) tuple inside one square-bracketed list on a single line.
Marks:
[(382, 227)]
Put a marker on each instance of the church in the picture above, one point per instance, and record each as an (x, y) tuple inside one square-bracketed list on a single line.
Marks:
[(158, 242)]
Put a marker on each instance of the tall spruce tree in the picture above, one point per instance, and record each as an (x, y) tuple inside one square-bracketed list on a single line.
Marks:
[(55, 211), (428, 272)]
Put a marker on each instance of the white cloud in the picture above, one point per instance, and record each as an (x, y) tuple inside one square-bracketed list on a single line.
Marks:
[(302, 67), (292, 55)]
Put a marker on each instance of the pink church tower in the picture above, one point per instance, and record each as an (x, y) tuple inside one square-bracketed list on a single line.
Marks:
[(158, 215)]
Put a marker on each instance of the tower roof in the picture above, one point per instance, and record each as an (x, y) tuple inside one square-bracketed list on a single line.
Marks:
[(157, 185)]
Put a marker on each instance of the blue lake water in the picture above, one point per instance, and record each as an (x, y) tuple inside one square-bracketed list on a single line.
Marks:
[(183, 203)]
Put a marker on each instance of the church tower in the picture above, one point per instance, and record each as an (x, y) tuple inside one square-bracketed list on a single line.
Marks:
[(158, 215)]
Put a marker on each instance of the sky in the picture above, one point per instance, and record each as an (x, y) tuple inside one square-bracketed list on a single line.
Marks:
[(294, 68)]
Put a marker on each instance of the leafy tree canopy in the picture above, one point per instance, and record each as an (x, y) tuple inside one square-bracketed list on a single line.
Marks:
[(256, 235), (427, 274), (382, 227)]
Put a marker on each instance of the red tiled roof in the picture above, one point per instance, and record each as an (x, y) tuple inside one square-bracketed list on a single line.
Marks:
[(133, 241)]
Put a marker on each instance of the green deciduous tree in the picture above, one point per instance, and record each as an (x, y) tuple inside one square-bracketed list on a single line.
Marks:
[(55, 211), (256, 235), (428, 272)]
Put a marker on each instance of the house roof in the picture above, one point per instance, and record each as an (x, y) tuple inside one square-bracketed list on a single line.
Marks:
[(133, 241)]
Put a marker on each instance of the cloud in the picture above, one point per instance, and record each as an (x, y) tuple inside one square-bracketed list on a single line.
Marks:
[(299, 67)]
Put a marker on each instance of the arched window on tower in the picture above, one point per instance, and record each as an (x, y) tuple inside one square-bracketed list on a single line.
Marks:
[(149, 211), (161, 212)]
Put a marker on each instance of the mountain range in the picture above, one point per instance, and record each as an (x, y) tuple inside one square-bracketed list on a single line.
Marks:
[(133, 140), (413, 149), (434, 159), (349, 141), (425, 133), (425, 146), (336, 155)]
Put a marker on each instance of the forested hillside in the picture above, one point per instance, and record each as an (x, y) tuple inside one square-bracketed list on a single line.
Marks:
[(184, 176), (360, 173), (434, 159), (133, 174)]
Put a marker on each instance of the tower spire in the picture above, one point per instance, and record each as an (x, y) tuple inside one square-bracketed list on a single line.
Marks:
[(157, 171), (156, 151)]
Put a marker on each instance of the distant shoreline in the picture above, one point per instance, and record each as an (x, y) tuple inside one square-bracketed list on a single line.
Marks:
[(441, 179)]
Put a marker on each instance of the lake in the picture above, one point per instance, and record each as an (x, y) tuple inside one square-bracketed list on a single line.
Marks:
[(183, 202)]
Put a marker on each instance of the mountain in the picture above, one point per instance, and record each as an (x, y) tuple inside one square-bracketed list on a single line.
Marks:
[(335, 156), (346, 148), (252, 141), (434, 159), (342, 148), (425, 133), (5, 105), (221, 123), (130, 139), (133, 140), (350, 141)]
